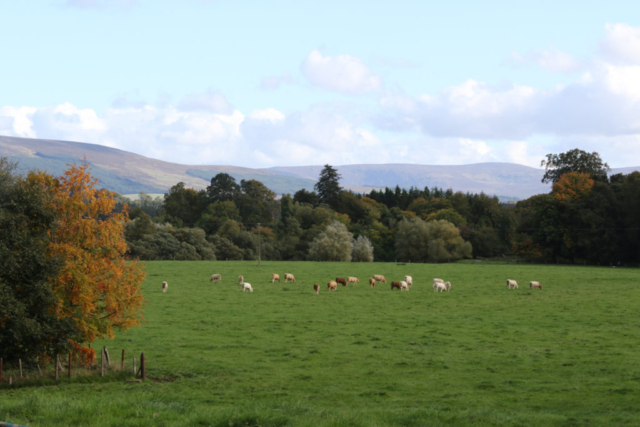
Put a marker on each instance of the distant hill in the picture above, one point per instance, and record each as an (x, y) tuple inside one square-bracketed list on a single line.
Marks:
[(129, 173)]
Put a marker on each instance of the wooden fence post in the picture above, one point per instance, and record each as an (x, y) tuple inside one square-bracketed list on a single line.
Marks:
[(20, 365), (69, 365), (122, 366), (106, 352), (57, 365), (142, 366), (39, 370)]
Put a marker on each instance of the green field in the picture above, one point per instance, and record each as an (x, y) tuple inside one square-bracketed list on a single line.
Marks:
[(477, 355)]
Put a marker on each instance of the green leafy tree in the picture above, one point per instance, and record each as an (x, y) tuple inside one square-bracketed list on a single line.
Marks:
[(223, 187), (308, 197), (335, 243), (328, 186), (433, 241), (574, 161), (185, 204), (362, 250), (29, 328)]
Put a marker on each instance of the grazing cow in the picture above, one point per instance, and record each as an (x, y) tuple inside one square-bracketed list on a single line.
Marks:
[(438, 280), (372, 282), (404, 286), (409, 280), (379, 278), (535, 285), (332, 286), (447, 286), (341, 280), (512, 284), (240, 280), (289, 276), (275, 277), (215, 277), (316, 288), (395, 285), (439, 287), (246, 286), (353, 280), (165, 286)]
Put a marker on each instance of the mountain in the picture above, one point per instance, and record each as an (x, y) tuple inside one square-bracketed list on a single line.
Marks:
[(503, 179), (129, 173)]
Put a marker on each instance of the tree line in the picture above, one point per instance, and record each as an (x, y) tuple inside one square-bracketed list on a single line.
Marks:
[(587, 217)]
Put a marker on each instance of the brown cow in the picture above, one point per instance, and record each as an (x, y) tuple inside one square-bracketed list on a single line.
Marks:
[(215, 277), (332, 285), (341, 280), (395, 285), (372, 282), (316, 288)]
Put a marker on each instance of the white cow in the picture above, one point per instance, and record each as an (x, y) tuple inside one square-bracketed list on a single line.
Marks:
[(409, 280), (512, 284), (439, 287), (404, 286), (247, 286)]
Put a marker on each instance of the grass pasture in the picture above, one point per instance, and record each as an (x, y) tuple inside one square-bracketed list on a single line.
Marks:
[(478, 355)]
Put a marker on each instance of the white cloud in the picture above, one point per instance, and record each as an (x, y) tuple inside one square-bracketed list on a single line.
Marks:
[(342, 73), (621, 44), (17, 121), (552, 59)]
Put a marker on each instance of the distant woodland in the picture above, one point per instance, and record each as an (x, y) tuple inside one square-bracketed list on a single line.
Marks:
[(588, 217)]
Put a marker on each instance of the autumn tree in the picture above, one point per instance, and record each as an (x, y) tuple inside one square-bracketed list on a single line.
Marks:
[(95, 287), (572, 186)]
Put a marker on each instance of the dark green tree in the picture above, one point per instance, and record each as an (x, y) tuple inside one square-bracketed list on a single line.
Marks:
[(574, 161), (29, 329), (328, 186), (223, 187), (308, 197)]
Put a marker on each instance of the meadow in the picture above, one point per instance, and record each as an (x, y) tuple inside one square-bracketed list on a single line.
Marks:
[(478, 355)]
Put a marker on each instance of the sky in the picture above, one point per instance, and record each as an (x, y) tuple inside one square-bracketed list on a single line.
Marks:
[(293, 83)]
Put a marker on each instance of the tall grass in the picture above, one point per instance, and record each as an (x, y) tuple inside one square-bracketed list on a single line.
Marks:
[(477, 355)]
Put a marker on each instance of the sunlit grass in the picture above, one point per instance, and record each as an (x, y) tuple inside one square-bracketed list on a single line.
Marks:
[(477, 355)]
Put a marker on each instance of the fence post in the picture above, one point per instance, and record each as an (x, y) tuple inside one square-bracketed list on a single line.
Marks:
[(102, 363), (69, 364), (122, 365), (142, 365), (20, 365), (57, 365)]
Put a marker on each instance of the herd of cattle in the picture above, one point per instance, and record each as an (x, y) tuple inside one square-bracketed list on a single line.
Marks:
[(439, 285)]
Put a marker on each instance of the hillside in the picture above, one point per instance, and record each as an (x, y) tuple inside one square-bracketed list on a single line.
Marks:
[(129, 173)]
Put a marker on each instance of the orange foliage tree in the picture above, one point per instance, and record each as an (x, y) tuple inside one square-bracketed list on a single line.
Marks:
[(571, 186), (96, 286)]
